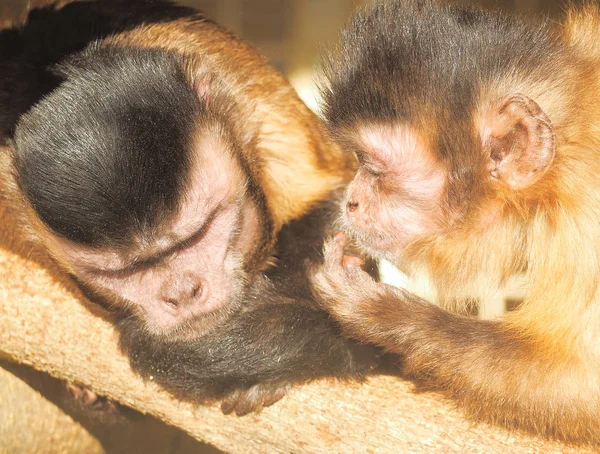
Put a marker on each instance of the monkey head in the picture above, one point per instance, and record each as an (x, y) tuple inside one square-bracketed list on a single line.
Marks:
[(445, 146), (404, 191), (134, 179)]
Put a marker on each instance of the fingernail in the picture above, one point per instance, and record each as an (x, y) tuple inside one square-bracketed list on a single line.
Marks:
[(340, 236), (350, 262)]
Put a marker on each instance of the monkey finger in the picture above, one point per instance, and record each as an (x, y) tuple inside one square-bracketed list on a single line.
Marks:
[(322, 282), (341, 238), (333, 251), (82, 394), (229, 404), (351, 262), (89, 399), (253, 399)]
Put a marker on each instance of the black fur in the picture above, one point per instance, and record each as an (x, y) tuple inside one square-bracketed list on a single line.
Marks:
[(29, 52), (280, 336), (402, 57), (100, 159)]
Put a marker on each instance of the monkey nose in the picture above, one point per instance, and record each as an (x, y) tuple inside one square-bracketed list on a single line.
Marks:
[(171, 305), (197, 291), (352, 206), (184, 297)]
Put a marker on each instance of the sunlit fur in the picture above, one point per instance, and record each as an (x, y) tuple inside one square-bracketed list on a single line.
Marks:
[(538, 367)]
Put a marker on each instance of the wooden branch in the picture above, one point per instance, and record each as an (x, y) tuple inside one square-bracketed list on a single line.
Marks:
[(38, 414), (22, 409), (43, 323)]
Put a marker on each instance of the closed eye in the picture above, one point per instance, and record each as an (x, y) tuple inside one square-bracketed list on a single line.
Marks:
[(376, 172), (150, 262), (368, 164)]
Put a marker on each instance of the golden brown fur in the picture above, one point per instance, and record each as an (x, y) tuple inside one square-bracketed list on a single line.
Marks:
[(538, 368)]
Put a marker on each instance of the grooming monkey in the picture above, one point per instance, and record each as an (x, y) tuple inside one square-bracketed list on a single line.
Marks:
[(478, 140), (156, 158)]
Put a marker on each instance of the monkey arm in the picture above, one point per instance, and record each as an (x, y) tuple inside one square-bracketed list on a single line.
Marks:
[(494, 370)]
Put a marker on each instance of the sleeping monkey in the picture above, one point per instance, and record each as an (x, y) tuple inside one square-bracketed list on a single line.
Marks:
[(173, 173)]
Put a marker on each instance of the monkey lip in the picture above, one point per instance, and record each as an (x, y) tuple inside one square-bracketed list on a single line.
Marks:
[(376, 243)]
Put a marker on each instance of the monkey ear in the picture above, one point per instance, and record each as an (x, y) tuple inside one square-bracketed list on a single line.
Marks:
[(519, 140), (203, 85)]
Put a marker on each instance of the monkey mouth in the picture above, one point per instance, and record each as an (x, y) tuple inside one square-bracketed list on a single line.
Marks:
[(374, 243)]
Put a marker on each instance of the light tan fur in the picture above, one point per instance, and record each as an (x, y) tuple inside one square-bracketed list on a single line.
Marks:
[(538, 368)]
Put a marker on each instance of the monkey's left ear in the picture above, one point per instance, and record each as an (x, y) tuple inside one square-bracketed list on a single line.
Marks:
[(519, 139)]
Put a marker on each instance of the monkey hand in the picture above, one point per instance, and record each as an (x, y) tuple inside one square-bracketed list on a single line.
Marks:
[(341, 285), (363, 307), (253, 399)]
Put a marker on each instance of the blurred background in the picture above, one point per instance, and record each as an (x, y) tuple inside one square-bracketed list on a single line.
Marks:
[(292, 32)]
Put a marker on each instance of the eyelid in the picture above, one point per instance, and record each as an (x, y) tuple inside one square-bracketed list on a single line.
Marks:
[(200, 233), (368, 163), (373, 171), (139, 265), (360, 157), (129, 270)]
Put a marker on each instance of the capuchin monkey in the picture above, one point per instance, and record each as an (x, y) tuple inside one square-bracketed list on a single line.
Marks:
[(478, 140), (156, 158)]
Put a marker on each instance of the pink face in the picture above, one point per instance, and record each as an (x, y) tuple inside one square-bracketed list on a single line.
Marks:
[(190, 277), (396, 195), (400, 194)]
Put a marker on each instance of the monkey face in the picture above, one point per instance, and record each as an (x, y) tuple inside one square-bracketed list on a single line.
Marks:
[(394, 195), (448, 143), (188, 275), (406, 193), (143, 195)]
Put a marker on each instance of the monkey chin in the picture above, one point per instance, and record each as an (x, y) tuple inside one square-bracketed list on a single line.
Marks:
[(377, 245), (199, 324)]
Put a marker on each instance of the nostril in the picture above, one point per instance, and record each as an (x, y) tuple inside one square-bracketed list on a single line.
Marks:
[(197, 291), (171, 304), (352, 206)]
